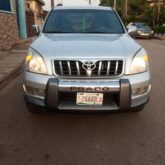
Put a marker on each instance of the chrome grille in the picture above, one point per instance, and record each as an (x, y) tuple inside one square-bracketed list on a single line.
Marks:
[(108, 68)]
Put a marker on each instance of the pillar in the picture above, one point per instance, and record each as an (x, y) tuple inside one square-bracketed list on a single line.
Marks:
[(21, 18)]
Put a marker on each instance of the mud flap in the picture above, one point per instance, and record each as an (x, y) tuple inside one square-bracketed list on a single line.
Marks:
[(51, 100), (125, 94)]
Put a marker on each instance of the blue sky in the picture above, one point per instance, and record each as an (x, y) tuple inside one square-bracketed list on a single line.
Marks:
[(69, 2)]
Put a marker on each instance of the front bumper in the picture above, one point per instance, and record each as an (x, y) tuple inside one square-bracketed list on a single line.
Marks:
[(144, 35), (61, 94)]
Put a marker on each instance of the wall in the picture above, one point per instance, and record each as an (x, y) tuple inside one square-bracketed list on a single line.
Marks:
[(36, 7), (8, 28)]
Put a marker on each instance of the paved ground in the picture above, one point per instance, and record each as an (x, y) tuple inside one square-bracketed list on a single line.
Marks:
[(11, 60), (81, 139)]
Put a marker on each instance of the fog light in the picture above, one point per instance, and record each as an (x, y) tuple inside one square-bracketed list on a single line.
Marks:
[(134, 92), (34, 91), (140, 91)]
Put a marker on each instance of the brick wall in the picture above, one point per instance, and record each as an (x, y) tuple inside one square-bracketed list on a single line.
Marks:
[(8, 29)]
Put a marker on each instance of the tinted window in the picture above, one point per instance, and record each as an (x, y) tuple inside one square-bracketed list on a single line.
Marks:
[(83, 21)]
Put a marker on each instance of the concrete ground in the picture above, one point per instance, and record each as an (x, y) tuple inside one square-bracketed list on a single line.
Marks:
[(83, 139), (11, 60)]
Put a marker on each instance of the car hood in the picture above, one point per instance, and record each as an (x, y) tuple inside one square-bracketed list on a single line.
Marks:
[(84, 46)]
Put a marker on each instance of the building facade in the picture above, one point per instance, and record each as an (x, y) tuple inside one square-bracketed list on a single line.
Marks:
[(12, 22), (8, 24), (35, 6)]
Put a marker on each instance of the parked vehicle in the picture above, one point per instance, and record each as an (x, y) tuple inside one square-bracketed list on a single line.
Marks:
[(143, 30), (84, 59)]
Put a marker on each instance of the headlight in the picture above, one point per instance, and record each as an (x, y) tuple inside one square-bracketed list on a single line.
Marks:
[(35, 63), (139, 63), (139, 31)]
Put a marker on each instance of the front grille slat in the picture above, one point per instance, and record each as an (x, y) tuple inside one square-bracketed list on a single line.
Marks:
[(99, 70), (69, 68), (103, 68), (78, 68), (116, 69), (108, 67), (61, 69)]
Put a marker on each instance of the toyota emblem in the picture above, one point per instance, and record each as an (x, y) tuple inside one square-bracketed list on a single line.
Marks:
[(89, 66)]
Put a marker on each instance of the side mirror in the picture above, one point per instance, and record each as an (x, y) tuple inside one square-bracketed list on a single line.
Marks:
[(36, 29), (131, 30)]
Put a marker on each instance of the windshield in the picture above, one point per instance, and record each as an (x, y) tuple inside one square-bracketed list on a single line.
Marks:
[(141, 25), (83, 21)]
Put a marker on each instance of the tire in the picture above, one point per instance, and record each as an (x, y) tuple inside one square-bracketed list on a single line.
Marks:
[(137, 109), (34, 108)]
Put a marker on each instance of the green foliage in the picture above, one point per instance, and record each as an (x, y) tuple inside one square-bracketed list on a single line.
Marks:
[(137, 7), (138, 10), (106, 3), (160, 29), (148, 15), (162, 15)]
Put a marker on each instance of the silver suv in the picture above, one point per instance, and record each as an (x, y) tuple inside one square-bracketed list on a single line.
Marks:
[(84, 59)]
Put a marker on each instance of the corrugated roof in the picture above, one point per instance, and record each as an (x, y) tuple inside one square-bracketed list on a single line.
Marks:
[(41, 1)]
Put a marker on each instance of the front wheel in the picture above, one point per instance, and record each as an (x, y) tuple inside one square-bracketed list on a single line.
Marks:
[(137, 109), (34, 108)]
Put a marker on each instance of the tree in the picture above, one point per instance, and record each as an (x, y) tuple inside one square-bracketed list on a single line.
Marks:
[(139, 10)]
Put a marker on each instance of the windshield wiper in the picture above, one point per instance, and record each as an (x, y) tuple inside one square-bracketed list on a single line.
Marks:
[(55, 32), (92, 32), (98, 32)]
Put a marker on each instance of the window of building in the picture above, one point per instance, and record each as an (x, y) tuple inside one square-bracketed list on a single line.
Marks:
[(6, 5)]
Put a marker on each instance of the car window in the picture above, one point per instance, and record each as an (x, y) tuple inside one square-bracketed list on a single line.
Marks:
[(141, 25), (83, 21)]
